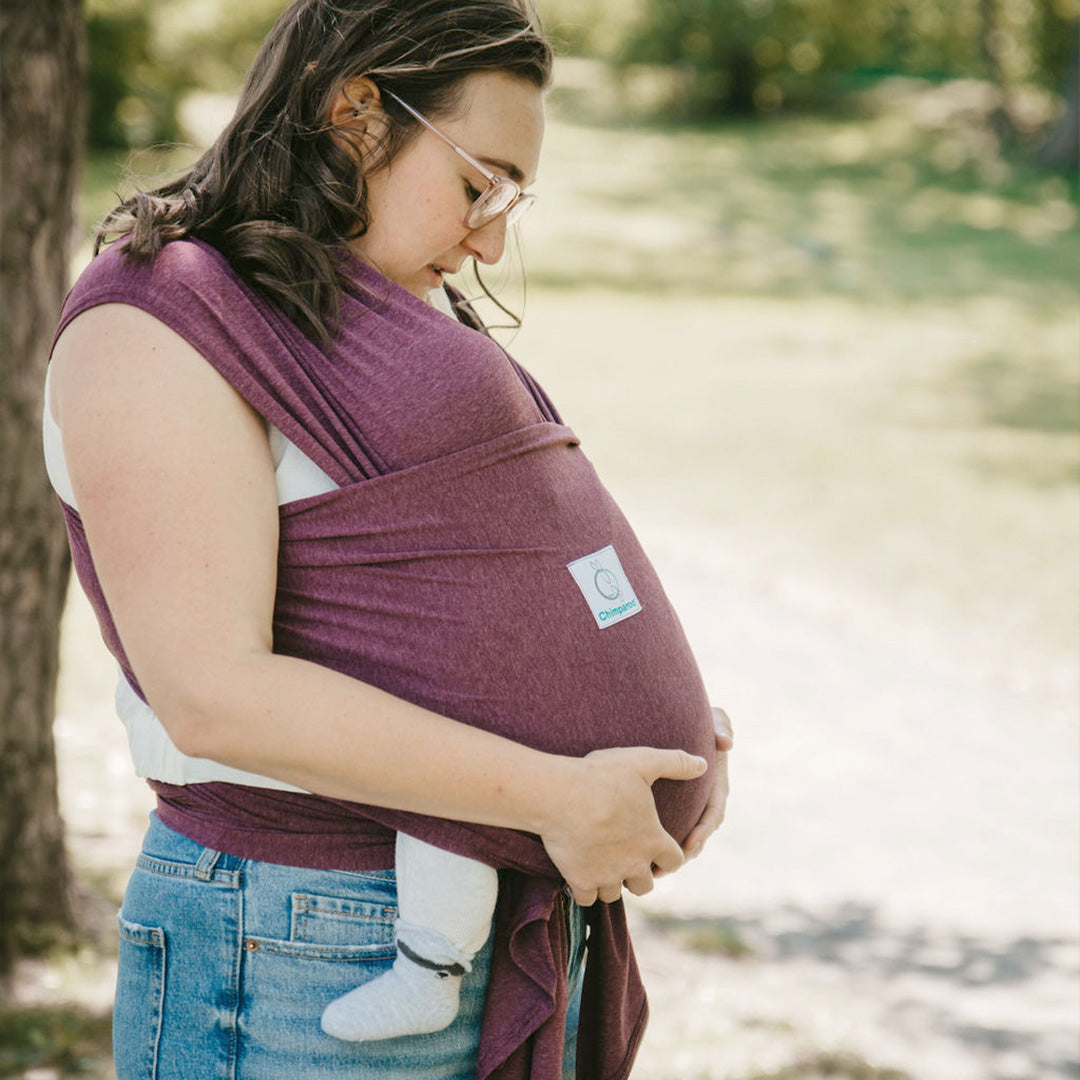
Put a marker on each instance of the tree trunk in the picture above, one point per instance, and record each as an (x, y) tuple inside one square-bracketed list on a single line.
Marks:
[(1061, 150), (1000, 118), (41, 115)]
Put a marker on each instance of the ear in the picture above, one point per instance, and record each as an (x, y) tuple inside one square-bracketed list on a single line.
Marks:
[(357, 105)]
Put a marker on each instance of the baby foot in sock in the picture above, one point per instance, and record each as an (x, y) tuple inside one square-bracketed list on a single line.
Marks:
[(408, 1000)]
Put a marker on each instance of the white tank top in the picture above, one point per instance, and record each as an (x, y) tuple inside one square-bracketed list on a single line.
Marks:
[(153, 752)]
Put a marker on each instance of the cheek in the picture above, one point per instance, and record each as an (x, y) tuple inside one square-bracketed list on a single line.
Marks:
[(437, 227), (441, 206), (417, 210), (434, 209)]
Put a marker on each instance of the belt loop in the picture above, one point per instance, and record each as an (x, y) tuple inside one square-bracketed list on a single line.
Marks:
[(207, 864)]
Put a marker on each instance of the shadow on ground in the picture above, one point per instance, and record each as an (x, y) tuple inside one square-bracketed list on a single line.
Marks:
[(927, 979)]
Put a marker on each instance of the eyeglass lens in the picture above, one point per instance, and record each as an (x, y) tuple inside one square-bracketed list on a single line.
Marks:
[(500, 198)]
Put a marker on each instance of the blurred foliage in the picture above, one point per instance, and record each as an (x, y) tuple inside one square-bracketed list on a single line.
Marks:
[(593, 28), (146, 55), (53, 1042), (132, 101), (747, 56), (906, 197), (723, 56)]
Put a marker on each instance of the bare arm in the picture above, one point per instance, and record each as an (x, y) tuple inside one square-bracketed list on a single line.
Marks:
[(175, 485)]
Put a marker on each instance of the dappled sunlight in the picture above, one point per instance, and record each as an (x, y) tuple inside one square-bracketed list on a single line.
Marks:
[(870, 991), (881, 208), (892, 205), (1037, 224)]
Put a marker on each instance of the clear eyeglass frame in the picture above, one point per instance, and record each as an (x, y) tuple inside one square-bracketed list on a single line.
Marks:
[(502, 195)]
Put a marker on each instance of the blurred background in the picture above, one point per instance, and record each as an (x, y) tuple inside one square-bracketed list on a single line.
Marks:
[(803, 277)]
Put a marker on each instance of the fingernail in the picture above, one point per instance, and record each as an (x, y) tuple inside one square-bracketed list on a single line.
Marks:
[(694, 851)]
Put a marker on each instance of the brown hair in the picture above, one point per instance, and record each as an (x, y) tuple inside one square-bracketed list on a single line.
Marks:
[(278, 193)]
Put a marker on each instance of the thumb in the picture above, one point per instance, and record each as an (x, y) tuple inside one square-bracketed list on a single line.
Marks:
[(674, 765)]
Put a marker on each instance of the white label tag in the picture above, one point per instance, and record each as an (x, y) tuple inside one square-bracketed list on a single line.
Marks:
[(604, 584)]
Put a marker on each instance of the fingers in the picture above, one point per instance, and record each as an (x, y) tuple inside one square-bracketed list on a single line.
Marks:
[(618, 841), (672, 765), (640, 885), (584, 897), (609, 894), (710, 821), (670, 857), (693, 844), (725, 736), (713, 815)]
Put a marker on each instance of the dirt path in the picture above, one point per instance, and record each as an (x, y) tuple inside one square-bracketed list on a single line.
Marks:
[(900, 859)]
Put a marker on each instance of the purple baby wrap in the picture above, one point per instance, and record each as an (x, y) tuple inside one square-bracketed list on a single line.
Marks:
[(438, 572)]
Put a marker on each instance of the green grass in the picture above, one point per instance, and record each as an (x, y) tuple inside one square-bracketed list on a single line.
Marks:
[(804, 206), (711, 936), (816, 1066), (896, 204), (829, 1066)]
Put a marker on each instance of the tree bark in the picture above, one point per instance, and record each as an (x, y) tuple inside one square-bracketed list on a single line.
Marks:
[(41, 118), (1061, 150)]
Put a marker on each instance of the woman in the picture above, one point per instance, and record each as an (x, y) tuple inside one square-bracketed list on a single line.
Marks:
[(359, 577)]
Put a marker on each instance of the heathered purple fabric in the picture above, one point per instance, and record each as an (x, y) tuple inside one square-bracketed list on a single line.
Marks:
[(438, 571)]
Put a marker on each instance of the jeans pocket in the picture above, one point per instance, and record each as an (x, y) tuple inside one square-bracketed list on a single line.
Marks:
[(287, 984), (336, 920), (334, 942), (140, 1000)]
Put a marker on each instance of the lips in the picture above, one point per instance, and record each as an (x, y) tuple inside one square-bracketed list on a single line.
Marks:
[(438, 272)]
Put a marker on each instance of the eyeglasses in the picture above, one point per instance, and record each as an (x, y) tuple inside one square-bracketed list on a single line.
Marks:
[(502, 195)]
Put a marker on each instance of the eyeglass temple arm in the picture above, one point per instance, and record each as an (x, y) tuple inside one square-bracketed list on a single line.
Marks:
[(482, 169)]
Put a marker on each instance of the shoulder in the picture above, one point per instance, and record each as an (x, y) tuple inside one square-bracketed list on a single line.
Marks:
[(189, 286), (123, 383), (181, 267), (171, 312)]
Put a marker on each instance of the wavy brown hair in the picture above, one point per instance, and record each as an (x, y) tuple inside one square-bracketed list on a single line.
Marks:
[(279, 193)]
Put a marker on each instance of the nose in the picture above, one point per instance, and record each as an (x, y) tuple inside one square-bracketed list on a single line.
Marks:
[(486, 244)]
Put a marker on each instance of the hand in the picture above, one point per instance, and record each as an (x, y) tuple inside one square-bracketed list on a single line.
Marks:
[(603, 830), (713, 815)]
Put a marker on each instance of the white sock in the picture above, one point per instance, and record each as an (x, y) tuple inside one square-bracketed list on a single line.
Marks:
[(418, 994), (446, 903)]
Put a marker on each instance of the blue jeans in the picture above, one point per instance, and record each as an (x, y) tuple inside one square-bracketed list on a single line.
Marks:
[(226, 965)]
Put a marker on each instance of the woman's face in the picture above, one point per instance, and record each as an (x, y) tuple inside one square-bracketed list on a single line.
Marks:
[(418, 202)]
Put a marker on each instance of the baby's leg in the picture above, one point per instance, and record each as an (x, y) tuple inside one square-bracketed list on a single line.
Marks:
[(445, 905)]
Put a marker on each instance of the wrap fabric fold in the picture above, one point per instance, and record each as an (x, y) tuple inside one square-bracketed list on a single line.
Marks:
[(443, 579)]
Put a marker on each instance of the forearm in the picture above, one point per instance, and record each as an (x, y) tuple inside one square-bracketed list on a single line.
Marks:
[(186, 549), (338, 737), (330, 734)]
